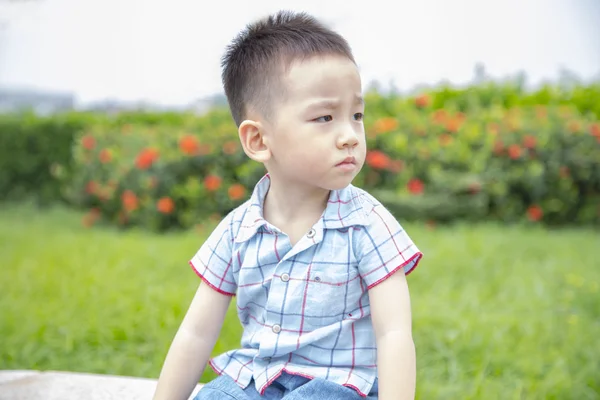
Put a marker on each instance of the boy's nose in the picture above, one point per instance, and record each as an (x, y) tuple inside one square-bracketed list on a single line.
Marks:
[(348, 137)]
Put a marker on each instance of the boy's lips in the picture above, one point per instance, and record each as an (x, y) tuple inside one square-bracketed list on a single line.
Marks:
[(347, 160)]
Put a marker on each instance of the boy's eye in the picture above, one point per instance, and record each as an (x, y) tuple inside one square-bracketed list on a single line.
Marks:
[(358, 116), (325, 118)]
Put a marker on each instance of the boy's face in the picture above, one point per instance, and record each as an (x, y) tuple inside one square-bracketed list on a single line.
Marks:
[(316, 136)]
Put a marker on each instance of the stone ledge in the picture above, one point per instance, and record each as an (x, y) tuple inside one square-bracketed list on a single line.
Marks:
[(59, 385)]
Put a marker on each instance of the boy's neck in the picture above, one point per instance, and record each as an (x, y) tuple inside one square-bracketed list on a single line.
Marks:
[(288, 206)]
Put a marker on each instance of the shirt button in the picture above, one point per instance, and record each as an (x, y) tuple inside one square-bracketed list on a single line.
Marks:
[(276, 328), (311, 233), (285, 277)]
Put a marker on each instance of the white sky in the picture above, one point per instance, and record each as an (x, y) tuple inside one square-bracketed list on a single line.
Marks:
[(169, 51)]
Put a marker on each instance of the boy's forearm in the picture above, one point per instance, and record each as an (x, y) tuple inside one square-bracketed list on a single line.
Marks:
[(183, 366), (396, 364)]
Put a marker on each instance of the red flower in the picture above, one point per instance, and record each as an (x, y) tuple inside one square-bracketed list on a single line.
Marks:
[(189, 145), (474, 187), (129, 200), (212, 183), (422, 101), (165, 205), (514, 151), (236, 191), (377, 159), (88, 142), (415, 186), (535, 213), (529, 142), (105, 156), (146, 158)]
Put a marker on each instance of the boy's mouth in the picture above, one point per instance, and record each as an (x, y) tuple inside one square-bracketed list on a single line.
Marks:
[(347, 161)]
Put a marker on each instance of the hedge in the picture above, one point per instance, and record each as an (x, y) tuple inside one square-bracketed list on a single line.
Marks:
[(531, 163)]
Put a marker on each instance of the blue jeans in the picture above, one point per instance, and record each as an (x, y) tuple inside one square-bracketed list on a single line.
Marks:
[(288, 387)]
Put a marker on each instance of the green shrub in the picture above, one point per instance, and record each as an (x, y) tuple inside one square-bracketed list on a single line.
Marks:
[(34, 151)]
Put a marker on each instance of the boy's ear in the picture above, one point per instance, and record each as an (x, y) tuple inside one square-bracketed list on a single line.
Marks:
[(254, 141)]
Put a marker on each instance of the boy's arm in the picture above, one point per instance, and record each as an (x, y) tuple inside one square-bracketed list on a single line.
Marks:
[(396, 359), (192, 345)]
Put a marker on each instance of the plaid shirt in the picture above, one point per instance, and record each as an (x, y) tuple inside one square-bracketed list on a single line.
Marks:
[(305, 308)]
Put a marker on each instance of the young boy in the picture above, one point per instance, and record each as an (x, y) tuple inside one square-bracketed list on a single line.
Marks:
[(311, 258)]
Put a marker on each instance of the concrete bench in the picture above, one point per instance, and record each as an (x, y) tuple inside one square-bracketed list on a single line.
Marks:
[(58, 385)]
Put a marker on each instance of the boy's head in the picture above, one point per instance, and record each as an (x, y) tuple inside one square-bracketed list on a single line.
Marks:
[(257, 59), (295, 94)]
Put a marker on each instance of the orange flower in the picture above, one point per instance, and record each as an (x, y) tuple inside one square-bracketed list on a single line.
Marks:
[(377, 159), (386, 124), (574, 126), (422, 101), (541, 112), (91, 217), (415, 186), (189, 145), (146, 158), (91, 187), (105, 156), (230, 147), (595, 130), (445, 139), (396, 166), (88, 142), (439, 116), (453, 124), (493, 128), (165, 205), (498, 147), (535, 213), (125, 129), (236, 191), (514, 151), (529, 142), (129, 200), (212, 182)]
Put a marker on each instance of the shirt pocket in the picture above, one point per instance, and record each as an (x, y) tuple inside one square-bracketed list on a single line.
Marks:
[(333, 292)]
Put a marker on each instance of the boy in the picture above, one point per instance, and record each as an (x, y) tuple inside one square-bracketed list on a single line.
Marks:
[(311, 258)]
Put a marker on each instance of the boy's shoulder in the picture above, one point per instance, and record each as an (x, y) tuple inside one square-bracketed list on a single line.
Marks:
[(372, 208)]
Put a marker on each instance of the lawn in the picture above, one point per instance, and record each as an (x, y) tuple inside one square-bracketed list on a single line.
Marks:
[(499, 312)]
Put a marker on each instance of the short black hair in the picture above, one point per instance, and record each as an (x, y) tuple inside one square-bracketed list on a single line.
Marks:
[(256, 59)]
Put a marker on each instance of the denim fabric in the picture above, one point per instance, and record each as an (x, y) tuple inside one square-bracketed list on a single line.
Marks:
[(288, 387)]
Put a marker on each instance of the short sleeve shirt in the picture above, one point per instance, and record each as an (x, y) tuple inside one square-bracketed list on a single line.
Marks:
[(305, 308)]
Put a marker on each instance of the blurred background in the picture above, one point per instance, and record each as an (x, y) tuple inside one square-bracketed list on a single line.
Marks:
[(118, 156)]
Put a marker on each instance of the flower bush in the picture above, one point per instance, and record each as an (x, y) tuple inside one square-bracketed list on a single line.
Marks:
[(531, 163), (484, 152)]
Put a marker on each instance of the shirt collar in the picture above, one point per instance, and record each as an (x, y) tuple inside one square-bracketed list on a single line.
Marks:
[(344, 209)]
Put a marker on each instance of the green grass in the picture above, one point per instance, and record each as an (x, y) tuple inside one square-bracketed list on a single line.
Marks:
[(499, 312)]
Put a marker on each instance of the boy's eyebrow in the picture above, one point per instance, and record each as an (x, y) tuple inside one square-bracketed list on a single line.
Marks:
[(331, 104)]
